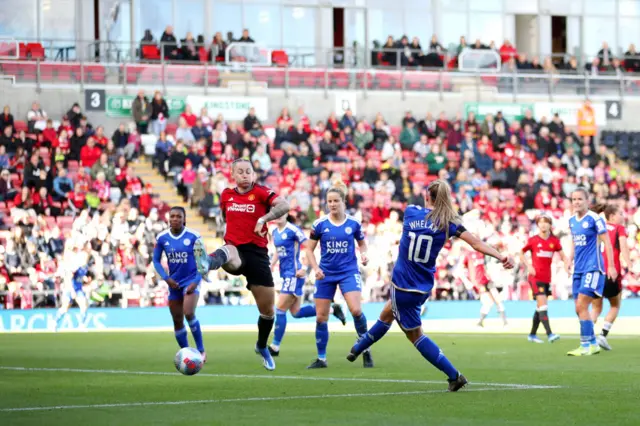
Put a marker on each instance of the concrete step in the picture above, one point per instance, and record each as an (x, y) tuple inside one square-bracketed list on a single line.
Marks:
[(168, 194)]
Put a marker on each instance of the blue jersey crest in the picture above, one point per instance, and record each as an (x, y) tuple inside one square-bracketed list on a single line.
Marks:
[(585, 231), (288, 243), (180, 258), (420, 245), (337, 244)]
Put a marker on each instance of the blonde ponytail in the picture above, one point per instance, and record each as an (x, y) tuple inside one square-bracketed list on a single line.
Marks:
[(340, 188), (443, 212)]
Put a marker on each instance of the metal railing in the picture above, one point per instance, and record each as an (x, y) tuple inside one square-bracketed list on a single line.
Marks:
[(165, 75)]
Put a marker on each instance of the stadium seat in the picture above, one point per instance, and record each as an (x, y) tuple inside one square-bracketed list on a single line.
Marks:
[(35, 51), (150, 52), (279, 58)]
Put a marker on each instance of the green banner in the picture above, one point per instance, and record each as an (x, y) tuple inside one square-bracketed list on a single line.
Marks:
[(120, 105), (510, 111)]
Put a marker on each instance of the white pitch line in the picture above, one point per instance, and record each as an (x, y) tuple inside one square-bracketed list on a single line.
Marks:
[(217, 401), (264, 376)]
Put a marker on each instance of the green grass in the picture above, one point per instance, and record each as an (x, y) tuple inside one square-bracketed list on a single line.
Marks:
[(593, 390)]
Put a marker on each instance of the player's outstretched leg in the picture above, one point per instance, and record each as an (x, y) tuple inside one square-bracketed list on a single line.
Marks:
[(225, 255), (608, 322), (353, 299)]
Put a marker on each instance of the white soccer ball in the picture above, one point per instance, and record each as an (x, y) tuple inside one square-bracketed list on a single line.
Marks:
[(188, 361)]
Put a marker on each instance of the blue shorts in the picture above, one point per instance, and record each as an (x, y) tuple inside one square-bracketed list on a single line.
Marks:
[(326, 288), (406, 306), (179, 293), (292, 285), (68, 296), (588, 283)]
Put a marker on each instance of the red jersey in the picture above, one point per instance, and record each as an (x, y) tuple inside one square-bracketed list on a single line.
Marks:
[(615, 232), (475, 260), (242, 212), (542, 255)]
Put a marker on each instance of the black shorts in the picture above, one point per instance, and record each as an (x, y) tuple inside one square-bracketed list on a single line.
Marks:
[(255, 265), (612, 288), (541, 288)]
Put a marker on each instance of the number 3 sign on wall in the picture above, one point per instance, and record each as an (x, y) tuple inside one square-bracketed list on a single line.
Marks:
[(94, 100)]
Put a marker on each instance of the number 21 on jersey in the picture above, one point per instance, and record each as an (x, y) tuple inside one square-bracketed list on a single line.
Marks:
[(415, 247)]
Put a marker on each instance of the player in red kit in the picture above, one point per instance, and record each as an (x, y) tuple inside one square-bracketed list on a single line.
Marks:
[(247, 208), (542, 247), (612, 289), (489, 294)]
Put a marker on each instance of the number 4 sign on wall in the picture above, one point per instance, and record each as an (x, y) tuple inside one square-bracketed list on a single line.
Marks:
[(613, 109), (94, 100)]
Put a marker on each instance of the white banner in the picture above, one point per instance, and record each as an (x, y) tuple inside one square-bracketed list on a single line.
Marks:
[(231, 107), (345, 101), (568, 112)]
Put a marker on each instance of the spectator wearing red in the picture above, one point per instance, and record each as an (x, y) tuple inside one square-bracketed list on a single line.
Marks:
[(189, 116), (304, 119), (89, 153), (44, 204), (50, 135), (102, 186), (542, 200), (333, 125), (507, 51), (379, 213), (133, 184), (99, 138), (285, 119), (24, 199), (146, 200), (83, 179)]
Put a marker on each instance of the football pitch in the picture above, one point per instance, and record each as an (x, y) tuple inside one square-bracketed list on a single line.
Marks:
[(129, 379)]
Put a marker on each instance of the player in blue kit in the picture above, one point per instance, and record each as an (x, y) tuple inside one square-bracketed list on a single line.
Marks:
[(424, 232), (79, 260), (177, 243), (288, 240), (588, 231), (337, 234)]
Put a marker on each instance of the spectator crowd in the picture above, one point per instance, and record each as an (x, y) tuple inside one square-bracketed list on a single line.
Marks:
[(70, 188)]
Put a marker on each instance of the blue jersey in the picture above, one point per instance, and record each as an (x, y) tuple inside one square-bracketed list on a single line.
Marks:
[(288, 243), (337, 244), (420, 245), (78, 278), (180, 258), (585, 231)]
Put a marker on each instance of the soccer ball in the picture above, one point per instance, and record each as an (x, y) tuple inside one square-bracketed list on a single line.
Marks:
[(188, 361)]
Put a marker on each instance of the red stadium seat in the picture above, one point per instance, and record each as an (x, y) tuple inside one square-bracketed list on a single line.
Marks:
[(279, 58), (150, 52)]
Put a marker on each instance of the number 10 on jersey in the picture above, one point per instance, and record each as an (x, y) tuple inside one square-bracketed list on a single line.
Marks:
[(415, 247)]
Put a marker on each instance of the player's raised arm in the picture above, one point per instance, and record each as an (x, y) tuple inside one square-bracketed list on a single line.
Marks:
[(478, 245)]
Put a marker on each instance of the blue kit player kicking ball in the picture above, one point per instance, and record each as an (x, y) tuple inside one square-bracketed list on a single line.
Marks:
[(588, 231), (424, 233), (288, 240), (337, 234), (177, 243)]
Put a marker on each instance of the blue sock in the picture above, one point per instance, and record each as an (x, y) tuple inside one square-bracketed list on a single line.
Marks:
[(361, 324), (432, 353), (376, 333), (306, 311), (281, 325), (84, 315), (322, 339), (196, 331), (181, 337), (586, 333), (59, 316)]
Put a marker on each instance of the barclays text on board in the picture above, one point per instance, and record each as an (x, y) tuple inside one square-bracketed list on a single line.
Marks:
[(105, 319)]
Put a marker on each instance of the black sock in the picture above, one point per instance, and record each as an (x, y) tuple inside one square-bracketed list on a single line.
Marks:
[(604, 332), (222, 254), (544, 319), (536, 323), (265, 324)]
